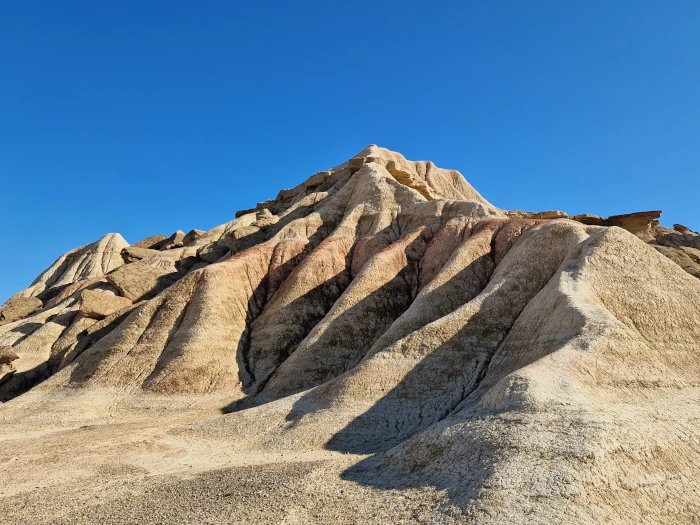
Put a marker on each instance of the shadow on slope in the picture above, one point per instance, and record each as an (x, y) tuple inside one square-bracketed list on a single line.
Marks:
[(431, 428), (502, 414), (458, 453), (344, 341)]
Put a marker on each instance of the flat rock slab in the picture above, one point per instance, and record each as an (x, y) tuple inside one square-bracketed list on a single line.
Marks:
[(634, 222), (136, 253), (150, 242), (19, 308), (138, 281), (98, 304)]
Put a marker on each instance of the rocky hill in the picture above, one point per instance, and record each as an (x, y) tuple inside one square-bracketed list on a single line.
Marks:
[(426, 356)]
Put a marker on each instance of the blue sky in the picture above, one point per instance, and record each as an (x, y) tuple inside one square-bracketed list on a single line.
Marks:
[(148, 117)]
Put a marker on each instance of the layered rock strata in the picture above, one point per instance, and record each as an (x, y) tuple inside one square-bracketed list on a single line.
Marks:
[(522, 362)]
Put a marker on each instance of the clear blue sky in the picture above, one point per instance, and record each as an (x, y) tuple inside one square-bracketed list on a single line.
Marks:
[(148, 117)]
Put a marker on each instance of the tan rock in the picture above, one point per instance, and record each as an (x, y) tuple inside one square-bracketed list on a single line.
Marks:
[(240, 213), (684, 229), (554, 214), (263, 214), (264, 219), (19, 308), (686, 258), (212, 252), (151, 242), (72, 291), (138, 281), (587, 218), (678, 237), (243, 238), (192, 236), (544, 215), (135, 253), (634, 222), (174, 241), (98, 304), (265, 205), (317, 180), (404, 176)]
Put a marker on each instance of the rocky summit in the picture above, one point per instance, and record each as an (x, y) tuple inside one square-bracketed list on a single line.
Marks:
[(379, 344)]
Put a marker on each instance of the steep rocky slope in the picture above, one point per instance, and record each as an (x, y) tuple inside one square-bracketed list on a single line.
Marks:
[(520, 364)]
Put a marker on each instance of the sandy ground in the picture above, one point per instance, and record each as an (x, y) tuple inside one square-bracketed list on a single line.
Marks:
[(148, 473)]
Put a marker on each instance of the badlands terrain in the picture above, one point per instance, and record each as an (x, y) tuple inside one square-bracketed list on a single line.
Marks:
[(379, 344)]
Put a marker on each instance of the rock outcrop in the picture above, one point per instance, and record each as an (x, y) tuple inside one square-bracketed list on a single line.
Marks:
[(139, 281), (636, 223), (152, 241), (99, 304), (18, 308), (135, 253), (174, 241), (521, 363), (192, 236)]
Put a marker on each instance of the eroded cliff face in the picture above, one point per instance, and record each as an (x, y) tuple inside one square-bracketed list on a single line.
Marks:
[(517, 360)]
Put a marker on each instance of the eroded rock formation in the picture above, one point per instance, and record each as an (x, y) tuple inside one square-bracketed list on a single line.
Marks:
[(523, 362)]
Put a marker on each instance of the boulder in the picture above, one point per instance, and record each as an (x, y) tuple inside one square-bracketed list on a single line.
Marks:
[(19, 308), (552, 214), (74, 289), (138, 281), (287, 195), (265, 205), (265, 218), (317, 180), (212, 252), (243, 238), (192, 236), (634, 222), (356, 163), (174, 241), (686, 258), (241, 213), (98, 304), (683, 229), (679, 236), (587, 218), (136, 253), (150, 242)]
